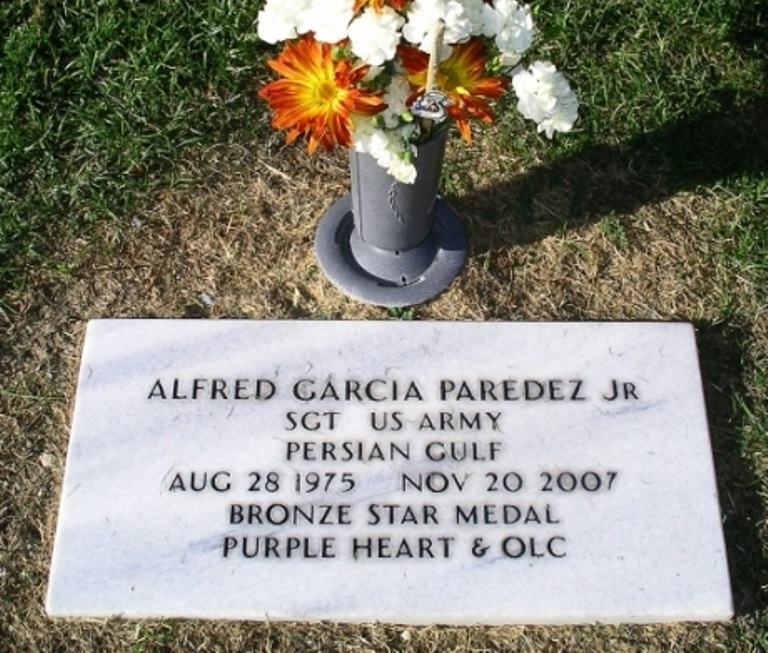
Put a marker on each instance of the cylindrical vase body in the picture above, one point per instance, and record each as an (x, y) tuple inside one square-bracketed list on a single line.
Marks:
[(391, 215)]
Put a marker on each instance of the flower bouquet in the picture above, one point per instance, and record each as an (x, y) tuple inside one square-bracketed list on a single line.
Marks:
[(385, 79), (380, 76)]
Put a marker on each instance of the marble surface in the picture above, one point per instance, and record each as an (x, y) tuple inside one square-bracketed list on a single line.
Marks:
[(405, 472)]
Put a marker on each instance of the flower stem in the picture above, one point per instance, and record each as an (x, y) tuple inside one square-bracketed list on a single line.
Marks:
[(435, 40), (435, 48)]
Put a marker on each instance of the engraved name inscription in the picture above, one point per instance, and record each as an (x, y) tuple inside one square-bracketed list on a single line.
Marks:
[(319, 502)]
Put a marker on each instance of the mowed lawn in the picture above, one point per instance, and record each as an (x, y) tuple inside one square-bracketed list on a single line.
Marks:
[(139, 177)]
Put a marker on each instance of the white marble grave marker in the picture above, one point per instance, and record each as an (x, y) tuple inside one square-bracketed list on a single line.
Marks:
[(406, 472)]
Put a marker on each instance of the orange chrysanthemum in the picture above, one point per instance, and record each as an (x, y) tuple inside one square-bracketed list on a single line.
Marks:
[(461, 77), (378, 5), (316, 95)]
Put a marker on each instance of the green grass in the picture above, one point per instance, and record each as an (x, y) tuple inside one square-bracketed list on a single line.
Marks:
[(102, 102), (99, 100), (674, 93)]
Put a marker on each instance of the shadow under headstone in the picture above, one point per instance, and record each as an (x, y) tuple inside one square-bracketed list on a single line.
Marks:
[(721, 358)]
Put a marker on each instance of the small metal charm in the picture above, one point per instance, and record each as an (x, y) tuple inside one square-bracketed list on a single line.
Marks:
[(433, 105)]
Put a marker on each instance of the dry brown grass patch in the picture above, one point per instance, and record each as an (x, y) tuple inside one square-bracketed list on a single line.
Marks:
[(239, 245)]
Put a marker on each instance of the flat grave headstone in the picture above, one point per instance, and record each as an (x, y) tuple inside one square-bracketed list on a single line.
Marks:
[(403, 472)]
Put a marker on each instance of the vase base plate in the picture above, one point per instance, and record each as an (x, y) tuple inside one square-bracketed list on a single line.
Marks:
[(386, 278)]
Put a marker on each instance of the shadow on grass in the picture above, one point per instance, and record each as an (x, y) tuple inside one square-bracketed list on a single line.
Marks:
[(600, 181), (605, 180), (721, 357)]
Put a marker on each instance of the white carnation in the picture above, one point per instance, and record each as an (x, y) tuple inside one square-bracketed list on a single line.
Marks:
[(375, 35), (545, 97), (277, 20), (390, 148), (462, 19), (373, 73), (328, 19), (512, 27), (422, 16), (396, 97), (402, 170)]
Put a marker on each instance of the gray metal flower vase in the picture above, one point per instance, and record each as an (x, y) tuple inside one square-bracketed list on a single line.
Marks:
[(389, 243)]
